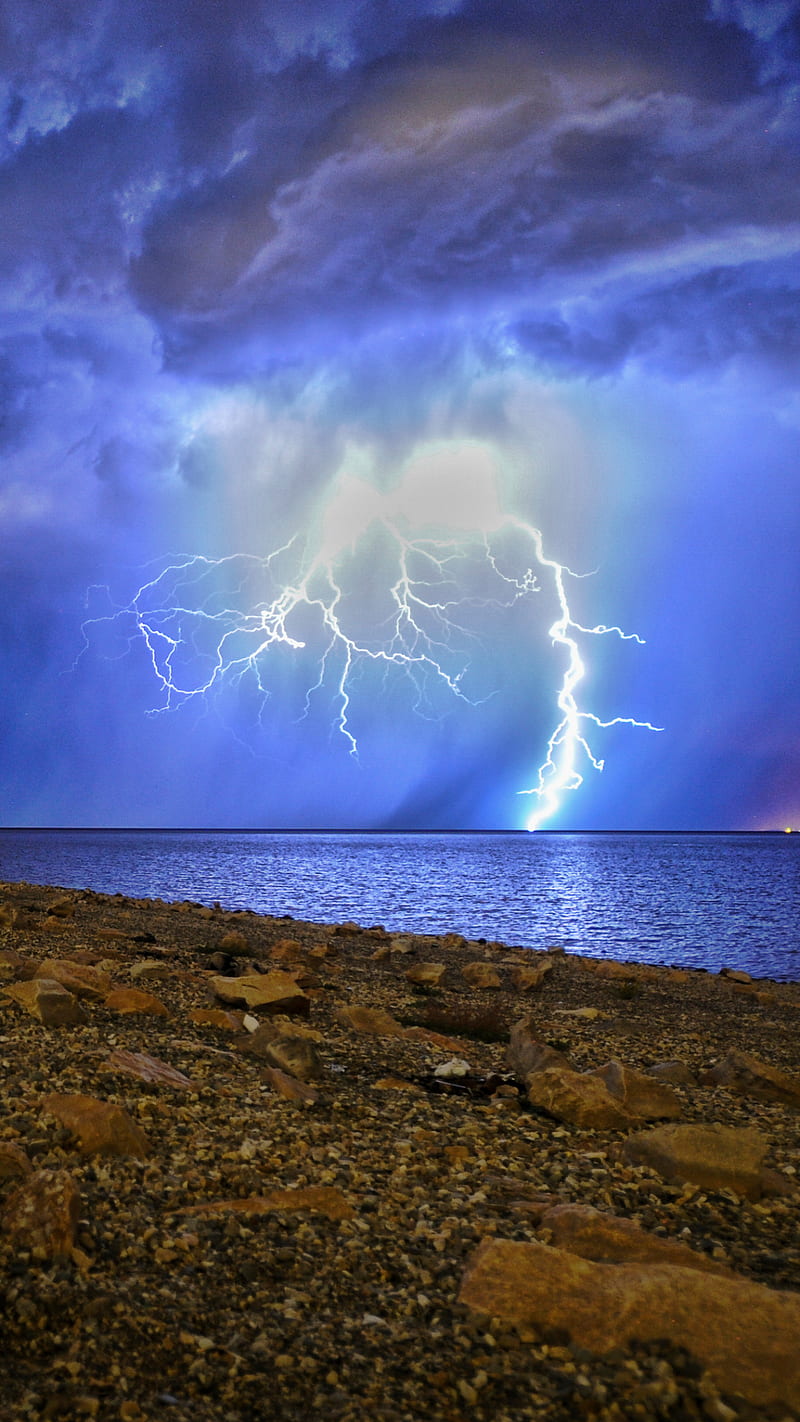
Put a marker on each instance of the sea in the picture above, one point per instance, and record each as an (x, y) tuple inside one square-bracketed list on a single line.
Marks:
[(689, 900)]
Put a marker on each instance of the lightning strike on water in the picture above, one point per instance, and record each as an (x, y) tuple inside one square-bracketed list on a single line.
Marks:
[(198, 635)]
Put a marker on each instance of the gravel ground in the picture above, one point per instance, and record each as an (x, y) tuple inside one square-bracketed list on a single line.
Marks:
[(168, 1308)]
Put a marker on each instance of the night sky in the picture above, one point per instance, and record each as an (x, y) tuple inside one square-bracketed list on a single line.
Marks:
[(333, 332)]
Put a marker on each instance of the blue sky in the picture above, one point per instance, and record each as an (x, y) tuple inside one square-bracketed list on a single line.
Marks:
[(389, 313)]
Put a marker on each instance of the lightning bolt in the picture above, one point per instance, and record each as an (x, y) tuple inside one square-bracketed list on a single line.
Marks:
[(207, 621)]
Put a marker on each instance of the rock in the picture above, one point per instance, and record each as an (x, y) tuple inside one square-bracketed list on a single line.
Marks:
[(13, 1161), (735, 975), (397, 1083), (527, 1053), (454, 1070), (676, 1073), (402, 943), (287, 950), (267, 992), (433, 1039), (101, 1127), (297, 1056), (578, 1098), (525, 978), (744, 1334), (586, 1014), (216, 1017), (320, 1199), (150, 968), (426, 974), (606, 1239), (714, 1157), (149, 1069), (80, 979), (134, 1000), (289, 1087), (375, 1021), (234, 943), (49, 1001), (640, 1095), (43, 1214), (481, 975), (746, 1075)]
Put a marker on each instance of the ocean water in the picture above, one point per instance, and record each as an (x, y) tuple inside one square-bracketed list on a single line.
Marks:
[(695, 900)]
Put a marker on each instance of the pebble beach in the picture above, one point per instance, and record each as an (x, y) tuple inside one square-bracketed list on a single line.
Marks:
[(252, 1167)]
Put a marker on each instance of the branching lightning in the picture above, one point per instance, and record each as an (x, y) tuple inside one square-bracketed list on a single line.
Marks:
[(205, 622)]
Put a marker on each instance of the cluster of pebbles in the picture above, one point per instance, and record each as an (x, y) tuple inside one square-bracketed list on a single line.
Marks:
[(252, 1167)]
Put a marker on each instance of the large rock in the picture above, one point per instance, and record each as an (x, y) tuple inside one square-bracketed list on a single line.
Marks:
[(426, 974), (481, 976), (527, 977), (639, 1094), (43, 1214), (49, 1001), (81, 979), (101, 1127), (527, 1053), (746, 1075), (609, 1240), (295, 1055), (577, 1098), (714, 1157), (743, 1333), (135, 1001), (267, 992)]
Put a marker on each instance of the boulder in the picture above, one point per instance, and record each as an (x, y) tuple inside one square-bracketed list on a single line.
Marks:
[(81, 979), (527, 1053), (578, 1098), (43, 1213), (593, 1234), (639, 1094), (744, 1334), (49, 1001), (481, 976), (714, 1157), (748, 1076), (101, 1127), (426, 974), (527, 977), (262, 992)]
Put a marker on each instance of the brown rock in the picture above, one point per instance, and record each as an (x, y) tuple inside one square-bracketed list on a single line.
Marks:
[(216, 1017), (320, 1199), (525, 978), (13, 1161), (49, 1001), (433, 1039), (595, 1235), (714, 1157), (735, 975), (638, 1093), (578, 1098), (743, 1333), (527, 1053), (374, 1021), (481, 975), (150, 968), (149, 1069), (297, 1056), (289, 1087), (101, 1127), (234, 943), (397, 1083), (134, 1000), (43, 1213), (287, 950), (747, 1076), (267, 992), (80, 979), (676, 1073), (426, 974)]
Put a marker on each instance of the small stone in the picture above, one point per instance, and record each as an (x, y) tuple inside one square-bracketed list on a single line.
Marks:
[(289, 1087), (320, 1199), (13, 1161)]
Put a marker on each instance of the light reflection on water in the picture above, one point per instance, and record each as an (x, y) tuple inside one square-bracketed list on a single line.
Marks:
[(696, 900)]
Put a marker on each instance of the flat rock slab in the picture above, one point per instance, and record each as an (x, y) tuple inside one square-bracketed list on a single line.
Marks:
[(743, 1333), (607, 1239), (81, 979), (320, 1199), (267, 992), (46, 999), (426, 974), (714, 1157), (149, 1069), (374, 1021), (43, 1214), (101, 1127), (135, 1001), (578, 1099)]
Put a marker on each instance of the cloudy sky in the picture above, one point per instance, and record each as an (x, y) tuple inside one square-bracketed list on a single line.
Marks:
[(333, 332)]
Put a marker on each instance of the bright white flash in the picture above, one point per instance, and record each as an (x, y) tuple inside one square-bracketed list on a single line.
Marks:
[(306, 595)]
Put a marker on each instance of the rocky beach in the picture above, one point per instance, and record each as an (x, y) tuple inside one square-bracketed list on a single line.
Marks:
[(252, 1167)]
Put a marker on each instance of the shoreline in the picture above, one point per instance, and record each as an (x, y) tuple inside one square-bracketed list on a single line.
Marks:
[(299, 1217)]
